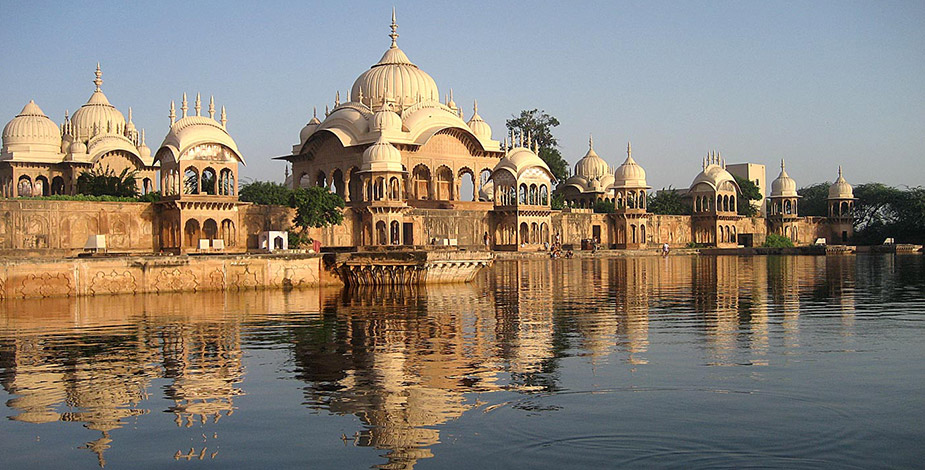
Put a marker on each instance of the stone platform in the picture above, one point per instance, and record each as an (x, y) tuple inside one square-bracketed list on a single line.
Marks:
[(407, 267)]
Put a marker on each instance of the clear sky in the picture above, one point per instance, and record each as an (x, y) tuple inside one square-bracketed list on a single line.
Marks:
[(817, 83)]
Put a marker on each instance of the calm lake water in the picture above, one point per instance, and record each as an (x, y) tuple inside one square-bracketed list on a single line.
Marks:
[(684, 362)]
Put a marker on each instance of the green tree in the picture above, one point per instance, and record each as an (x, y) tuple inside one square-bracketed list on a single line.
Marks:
[(776, 241), (750, 192), (603, 207), (105, 182), (668, 201), (316, 207), (265, 192), (813, 200), (538, 125), (557, 202)]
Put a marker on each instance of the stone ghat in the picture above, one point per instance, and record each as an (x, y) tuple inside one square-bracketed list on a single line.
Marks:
[(71, 277), (408, 267)]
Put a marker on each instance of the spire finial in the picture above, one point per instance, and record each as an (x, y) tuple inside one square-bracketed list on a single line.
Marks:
[(211, 107), (173, 112), (590, 141), (129, 114), (629, 150), (394, 34), (781, 164), (198, 104), (183, 105), (99, 77), (224, 117), (314, 111), (475, 107), (142, 136), (839, 171)]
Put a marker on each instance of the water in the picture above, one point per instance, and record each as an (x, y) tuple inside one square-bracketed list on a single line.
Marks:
[(684, 362)]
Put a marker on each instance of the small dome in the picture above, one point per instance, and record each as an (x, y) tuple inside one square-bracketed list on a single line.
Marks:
[(630, 174), (32, 126), (840, 189), (591, 166), (714, 173), (520, 159), (385, 120), (479, 127), (395, 76), (382, 156), (77, 148), (784, 185), (191, 131), (97, 114), (309, 128)]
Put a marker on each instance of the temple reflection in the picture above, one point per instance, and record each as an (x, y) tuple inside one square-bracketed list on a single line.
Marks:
[(403, 360)]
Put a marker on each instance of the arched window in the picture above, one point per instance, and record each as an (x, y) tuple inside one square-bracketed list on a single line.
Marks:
[(395, 232), (192, 232), (523, 194), (337, 178), (381, 234), (544, 195), (444, 184), (320, 179), (191, 180), (41, 187), (228, 232), (208, 182), (534, 195), (421, 182), (524, 232), (57, 185), (24, 186), (732, 203)]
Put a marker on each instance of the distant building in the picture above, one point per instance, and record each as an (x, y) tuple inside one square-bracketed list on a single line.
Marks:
[(754, 172)]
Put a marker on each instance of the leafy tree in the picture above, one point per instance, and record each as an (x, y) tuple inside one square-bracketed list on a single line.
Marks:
[(557, 202), (265, 192), (105, 182), (539, 126), (668, 201), (316, 207), (603, 207), (776, 241), (750, 192), (813, 200)]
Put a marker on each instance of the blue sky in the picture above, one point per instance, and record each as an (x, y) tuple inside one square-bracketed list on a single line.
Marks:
[(817, 83)]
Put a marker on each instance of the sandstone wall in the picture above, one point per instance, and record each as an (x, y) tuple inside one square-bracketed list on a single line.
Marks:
[(41, 227), (675, 230), (157, 274)]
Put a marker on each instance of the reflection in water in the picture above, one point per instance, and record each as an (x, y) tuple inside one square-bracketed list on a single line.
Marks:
[(405, 361)]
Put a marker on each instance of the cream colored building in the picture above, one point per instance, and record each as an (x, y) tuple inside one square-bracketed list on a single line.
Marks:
[(41, 158)]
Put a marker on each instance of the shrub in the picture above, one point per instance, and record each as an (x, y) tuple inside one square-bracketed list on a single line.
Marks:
[(777, 241)]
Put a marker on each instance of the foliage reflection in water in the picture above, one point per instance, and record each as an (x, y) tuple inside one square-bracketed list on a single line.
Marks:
[(659, 362)]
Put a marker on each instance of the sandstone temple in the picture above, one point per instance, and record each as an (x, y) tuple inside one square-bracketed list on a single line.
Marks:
[(413, 170)]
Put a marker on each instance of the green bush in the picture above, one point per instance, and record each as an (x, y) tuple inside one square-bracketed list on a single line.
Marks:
[(777, 241), (83, 197)]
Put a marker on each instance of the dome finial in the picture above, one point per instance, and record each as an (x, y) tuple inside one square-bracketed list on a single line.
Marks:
[(198, 104), (173, 112), (781, 164), (142, 136), (839, 171), (394, 34), (183, 105), (475, 106), (129, 114), (224, 117), (314, 111), (99, 77), (629, 150), (211, 107), (590, 141)]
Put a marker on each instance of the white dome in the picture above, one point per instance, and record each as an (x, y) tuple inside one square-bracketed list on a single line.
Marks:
[(714, 173), (96, 114), (591, 166), (382, 156), (78, 148), (630, 174), (479, 127), (385, 120), (520, 159), (191, 131), (396, 77), (784, 185), (31, 126), (840, 189)]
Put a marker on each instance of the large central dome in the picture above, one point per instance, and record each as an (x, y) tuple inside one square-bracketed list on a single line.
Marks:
[(395, 78)]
